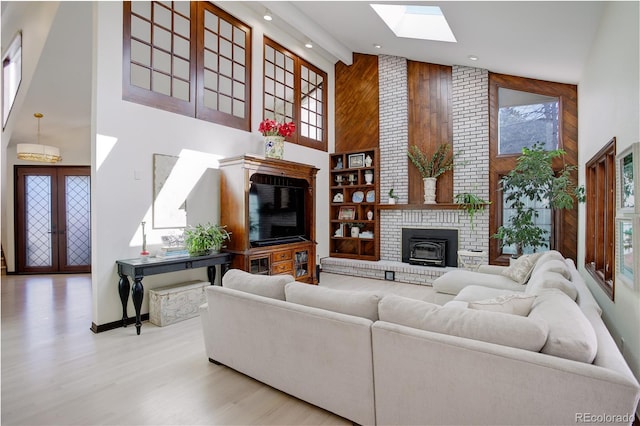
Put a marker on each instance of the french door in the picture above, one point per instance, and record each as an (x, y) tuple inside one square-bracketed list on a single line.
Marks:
[(53, 219)]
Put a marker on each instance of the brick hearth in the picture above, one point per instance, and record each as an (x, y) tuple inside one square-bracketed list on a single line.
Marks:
[(404, 272)]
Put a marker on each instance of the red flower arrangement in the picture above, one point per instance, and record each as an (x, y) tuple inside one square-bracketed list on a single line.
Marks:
[(270, 127)]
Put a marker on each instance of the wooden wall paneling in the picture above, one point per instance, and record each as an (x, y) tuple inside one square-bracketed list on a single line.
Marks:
[(430, 122), (566, 228), (357, 104)]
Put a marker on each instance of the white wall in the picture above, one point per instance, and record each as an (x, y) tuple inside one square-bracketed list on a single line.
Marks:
[(608, 105), (126, 135), (34, 19)]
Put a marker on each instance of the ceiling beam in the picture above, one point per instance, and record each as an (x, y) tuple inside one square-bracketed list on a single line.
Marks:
[(294, 17)]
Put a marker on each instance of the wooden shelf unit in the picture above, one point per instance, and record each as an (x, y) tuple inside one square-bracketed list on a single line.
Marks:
[(353, 186), (295, 258)]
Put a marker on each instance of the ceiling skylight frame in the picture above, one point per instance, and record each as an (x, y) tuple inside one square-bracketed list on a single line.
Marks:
[(415, 21)]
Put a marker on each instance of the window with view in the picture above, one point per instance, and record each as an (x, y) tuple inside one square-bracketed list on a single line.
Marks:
[(295, 90), (11, 76), (524, 112), (187, 57), (526, 118)]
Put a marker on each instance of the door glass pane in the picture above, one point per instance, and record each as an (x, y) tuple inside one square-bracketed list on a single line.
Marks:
[(38, 218), (526, 118), (78, 206)]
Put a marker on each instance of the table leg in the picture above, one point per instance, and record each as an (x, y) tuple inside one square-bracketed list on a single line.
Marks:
[(211, 274), (137, 293), (123, 289)]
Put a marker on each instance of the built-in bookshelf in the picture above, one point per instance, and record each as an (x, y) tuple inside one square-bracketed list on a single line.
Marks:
[(355, 193)]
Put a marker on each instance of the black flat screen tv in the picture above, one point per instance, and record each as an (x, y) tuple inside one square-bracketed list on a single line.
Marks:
[(276, 214)]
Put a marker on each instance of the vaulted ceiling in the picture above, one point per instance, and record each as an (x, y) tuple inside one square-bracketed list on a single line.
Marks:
[(543, 40)]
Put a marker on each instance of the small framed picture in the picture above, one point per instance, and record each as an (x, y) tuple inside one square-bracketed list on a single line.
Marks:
[(347, 213), (356, 160), (628, 170)]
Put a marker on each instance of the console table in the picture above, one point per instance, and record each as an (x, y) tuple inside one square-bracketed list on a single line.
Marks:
[(141, 267)]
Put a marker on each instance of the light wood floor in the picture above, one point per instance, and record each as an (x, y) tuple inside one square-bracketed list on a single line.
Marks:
[(55, 371)]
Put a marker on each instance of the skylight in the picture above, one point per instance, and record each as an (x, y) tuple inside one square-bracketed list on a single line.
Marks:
[(421, 22)]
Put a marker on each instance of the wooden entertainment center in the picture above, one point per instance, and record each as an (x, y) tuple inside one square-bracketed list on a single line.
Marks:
[(295, 255)]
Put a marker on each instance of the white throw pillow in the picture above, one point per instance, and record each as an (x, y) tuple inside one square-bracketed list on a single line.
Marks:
[(514, 304), (362, 304), (520, 269), (493, 327), (571, 335), (262, 285)]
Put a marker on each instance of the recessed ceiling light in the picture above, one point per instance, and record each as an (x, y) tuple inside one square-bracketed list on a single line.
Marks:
[(377, 46), (473, 57), (308, 44), (421, 22), (267, 15)]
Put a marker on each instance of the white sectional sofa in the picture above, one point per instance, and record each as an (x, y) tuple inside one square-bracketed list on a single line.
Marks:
[(386, 359)]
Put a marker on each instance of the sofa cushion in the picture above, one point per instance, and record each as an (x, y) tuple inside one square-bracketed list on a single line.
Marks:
[(547, 256), (362, 304), (263, 285), (493, 327), (471, 293), (454, 281), (571, 335), (514, 304), (548, 279), (554, 265), (520, 269)]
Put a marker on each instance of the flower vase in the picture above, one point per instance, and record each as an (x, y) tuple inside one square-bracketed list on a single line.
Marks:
[(355, 232), (274, 147), (429, 190)]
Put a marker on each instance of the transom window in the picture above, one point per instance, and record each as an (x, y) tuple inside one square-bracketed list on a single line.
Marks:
[(526, 118), (187, 57), (295, 90)]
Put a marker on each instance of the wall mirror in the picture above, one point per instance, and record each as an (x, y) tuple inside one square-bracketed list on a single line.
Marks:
[(169, 196)]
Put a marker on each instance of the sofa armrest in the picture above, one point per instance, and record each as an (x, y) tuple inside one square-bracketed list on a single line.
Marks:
[(491, 269), (423, 377)]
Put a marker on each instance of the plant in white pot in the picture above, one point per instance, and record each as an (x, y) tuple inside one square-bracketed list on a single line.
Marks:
[(430, 167), (393, 198), (205, 239)]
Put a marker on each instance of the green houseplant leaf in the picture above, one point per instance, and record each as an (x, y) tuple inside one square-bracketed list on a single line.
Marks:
[(534, 180), (202, 239), (441, 161), (471, 203)]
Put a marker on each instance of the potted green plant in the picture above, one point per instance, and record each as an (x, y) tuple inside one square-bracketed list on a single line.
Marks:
[(534, 181), (392, 197), (430, 167), (204, 239), (471, 203), (355, 228)]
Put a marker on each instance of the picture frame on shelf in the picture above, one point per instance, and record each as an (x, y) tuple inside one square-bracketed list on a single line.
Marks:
[(356, 160), (347, 213)]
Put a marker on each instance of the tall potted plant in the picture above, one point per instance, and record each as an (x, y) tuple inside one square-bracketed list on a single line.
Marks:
[(430, 167), (533, 180)]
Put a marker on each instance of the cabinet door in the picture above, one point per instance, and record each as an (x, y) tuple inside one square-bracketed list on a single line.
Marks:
[(301, 264), (259, 265)]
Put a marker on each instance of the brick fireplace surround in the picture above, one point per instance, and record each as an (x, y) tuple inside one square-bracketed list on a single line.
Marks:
[(470, 138)]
